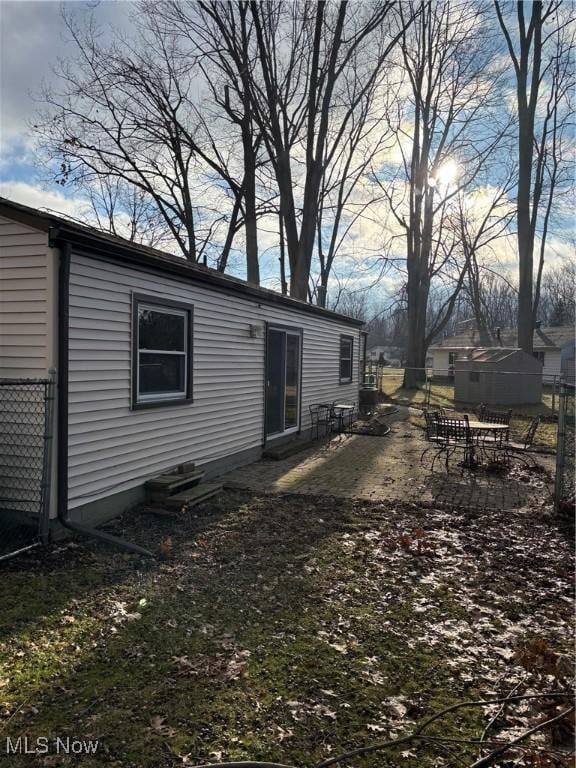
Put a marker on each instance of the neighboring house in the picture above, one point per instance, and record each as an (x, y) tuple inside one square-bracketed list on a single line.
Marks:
[(392, 355), (159, 361), (548, 343)]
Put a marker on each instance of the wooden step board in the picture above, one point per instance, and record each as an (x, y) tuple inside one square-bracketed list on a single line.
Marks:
[(165, 486), (193, 496)]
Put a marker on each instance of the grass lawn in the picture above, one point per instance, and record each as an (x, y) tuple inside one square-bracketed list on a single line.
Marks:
[(280, 628), (442, 396)]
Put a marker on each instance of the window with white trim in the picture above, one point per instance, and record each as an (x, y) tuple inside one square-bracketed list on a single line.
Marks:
[(346, 356), (162, 363)]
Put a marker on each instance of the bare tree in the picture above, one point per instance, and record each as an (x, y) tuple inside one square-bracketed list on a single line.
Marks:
[(447, 134), (124, 211), (541, 50), (295, 101), (481, 219), (220, 39), (557, 297), (125, 112), (497, 296), (352, 303), (344, 195)]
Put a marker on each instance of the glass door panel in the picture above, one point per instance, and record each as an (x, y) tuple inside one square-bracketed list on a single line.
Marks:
[(282, 381), (292, 394), (275, 375)]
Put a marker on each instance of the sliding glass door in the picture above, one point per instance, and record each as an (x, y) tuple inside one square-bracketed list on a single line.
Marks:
[(283, 353)]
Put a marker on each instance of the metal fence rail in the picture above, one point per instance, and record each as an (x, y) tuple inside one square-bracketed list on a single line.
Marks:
[(378, 376), (564, 498), (25, 452)]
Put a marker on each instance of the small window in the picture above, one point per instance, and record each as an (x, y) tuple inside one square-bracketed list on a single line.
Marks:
[(474, 376), (452, 357), (539, 356), (346, 356), (162, 352)]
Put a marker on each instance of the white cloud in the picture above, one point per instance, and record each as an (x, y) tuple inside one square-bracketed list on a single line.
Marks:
[(36, 197)]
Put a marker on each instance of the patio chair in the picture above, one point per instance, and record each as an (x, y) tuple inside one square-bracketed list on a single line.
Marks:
[(523, 449), (455, 436), (494, 442), (322, 419), (431, 432), (494, 417)]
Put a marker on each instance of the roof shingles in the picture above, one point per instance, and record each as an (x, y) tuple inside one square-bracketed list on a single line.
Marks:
[(544, 338)]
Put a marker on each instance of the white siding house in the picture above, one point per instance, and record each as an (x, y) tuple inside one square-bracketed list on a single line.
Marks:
[(244, 363), (27, 301), (548, 343)]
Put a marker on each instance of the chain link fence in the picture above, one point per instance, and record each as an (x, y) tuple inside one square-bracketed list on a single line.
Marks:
[(564, 498), (25, 452), (440, 389)]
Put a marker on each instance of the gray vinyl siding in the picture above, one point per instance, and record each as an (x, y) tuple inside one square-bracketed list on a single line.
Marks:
[(113, 448), (27, 289), (28, 270)]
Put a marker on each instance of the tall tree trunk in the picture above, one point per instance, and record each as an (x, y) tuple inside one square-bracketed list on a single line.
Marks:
[(250, 224), (282, 258), (416, 330), (525, 238), (527, 66), (322, 290), (222, 263)]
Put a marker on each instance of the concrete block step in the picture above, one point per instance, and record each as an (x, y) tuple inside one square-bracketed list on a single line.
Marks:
[(286, 450), (193, 496)]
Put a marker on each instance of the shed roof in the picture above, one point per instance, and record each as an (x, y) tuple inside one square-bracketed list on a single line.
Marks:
[(492, 358), (491, 355), (62, 230), (544, 338)]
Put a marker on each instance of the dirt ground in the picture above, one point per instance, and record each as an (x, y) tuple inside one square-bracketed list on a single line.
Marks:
[(291, 627)]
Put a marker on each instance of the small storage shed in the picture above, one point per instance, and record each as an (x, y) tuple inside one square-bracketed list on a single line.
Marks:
[(498, 377)]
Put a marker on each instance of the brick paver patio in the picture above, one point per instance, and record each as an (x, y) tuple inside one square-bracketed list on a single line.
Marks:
[(389, 468)]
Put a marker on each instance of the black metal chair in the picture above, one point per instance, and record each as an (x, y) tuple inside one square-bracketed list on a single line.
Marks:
[(494, 441), (322, 419), (523, 449), (494, 417), (455, 435), (431, 432)]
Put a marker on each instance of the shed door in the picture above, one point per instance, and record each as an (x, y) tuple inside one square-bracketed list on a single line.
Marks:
[(283, 348)]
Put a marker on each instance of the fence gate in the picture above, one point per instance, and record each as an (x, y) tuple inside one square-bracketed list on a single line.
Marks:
[(25, 452), (565, 459)]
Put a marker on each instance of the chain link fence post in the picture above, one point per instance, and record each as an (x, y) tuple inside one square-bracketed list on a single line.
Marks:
[(564, 495)]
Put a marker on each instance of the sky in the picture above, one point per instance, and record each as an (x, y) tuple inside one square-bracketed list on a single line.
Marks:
[(32, 37)]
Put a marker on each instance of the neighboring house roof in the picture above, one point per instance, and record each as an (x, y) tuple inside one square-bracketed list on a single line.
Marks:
[(61, 230), (544, 338)]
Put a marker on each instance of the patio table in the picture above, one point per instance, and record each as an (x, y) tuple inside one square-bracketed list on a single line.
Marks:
[(484, 428), (340, 410)]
